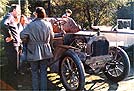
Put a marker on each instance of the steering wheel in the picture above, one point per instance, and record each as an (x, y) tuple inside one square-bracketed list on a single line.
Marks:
[(60, 22)]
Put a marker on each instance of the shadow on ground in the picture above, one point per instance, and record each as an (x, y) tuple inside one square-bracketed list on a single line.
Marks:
[(92, 83)]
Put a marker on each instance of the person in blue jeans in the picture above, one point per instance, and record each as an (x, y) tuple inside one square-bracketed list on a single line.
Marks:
[(38, 35)]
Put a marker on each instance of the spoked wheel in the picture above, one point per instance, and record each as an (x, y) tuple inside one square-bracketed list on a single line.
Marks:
[(72, 72), (119, 67)]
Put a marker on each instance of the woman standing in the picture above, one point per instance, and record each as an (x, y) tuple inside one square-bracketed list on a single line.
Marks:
[(38, 35)]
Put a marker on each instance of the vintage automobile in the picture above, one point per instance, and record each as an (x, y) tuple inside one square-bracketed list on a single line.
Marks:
[(79, 52), (120, 35), (66, 61)]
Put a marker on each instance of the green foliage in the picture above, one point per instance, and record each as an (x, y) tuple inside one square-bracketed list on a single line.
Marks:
[(3, 10), (1, 46), (85, 12), (3, 5), (27, 12), (89, 12), (3, 58)]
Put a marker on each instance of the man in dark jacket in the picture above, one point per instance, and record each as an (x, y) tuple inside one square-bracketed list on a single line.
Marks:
[(11, 38)]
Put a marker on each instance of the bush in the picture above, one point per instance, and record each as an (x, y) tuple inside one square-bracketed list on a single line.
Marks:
[(3, 59)]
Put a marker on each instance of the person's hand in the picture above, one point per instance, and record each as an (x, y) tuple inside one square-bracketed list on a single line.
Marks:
[(8, 39), (64, 32)]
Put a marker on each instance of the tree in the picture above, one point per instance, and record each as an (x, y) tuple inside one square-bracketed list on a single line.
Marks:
[(3, 6), (27, 12), (89, 12), (3, 10)]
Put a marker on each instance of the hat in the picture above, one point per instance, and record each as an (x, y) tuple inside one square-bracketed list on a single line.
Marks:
[(69, 11)]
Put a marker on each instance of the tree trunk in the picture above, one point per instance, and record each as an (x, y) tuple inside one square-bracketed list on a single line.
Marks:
[(87, 11)]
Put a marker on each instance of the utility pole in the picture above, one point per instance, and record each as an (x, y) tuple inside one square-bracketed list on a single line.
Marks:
[(19, 4), (49, 6)]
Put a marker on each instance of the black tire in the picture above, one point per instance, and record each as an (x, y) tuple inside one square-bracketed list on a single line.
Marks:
[(72, 71), (119, 67)]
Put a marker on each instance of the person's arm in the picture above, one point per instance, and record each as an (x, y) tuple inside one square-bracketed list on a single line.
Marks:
[(24, 34), (5, 26)]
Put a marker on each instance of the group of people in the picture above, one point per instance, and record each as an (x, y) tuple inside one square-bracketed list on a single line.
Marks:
[(38, 35)]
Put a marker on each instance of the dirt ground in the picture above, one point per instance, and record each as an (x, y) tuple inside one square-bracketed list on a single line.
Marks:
[(93, 83)]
